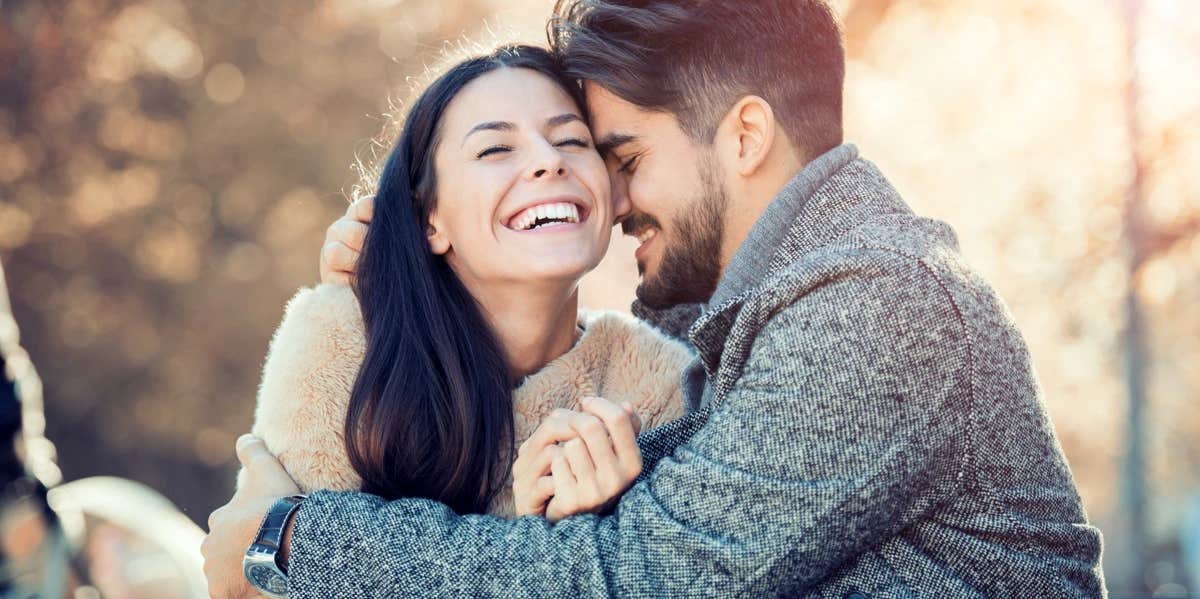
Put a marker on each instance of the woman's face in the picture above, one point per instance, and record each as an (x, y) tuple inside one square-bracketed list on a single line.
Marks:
[(522, 194)]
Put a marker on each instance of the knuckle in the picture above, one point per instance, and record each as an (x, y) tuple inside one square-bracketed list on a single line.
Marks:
[(590, 496), (631, 471), (607, 483), (592, 426), (339, 256)]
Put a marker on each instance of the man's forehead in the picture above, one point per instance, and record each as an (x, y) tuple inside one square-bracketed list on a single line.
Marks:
[(613, 119)]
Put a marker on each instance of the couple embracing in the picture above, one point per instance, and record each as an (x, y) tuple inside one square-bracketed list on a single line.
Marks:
[(818, 397)]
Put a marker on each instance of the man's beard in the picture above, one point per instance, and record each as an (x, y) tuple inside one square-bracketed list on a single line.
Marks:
[(690, 269)]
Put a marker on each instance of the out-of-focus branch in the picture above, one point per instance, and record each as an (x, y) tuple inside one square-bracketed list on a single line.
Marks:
[(1134, 495), (1162, 241)]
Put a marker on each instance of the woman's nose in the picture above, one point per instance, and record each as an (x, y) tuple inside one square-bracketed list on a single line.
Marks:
[(548, 161), (622, 206)]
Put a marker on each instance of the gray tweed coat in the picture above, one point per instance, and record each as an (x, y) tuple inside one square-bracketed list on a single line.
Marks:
[(863, 421)]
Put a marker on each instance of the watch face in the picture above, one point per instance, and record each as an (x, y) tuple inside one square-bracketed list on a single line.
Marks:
[(266, 578)]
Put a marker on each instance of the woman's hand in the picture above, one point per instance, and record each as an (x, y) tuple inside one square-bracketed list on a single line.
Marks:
[(578, 462)]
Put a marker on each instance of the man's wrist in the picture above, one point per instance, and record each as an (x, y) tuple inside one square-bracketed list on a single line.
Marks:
[(285, 542)]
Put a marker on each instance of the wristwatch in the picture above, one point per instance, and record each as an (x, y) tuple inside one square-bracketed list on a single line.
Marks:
[(261, 565)]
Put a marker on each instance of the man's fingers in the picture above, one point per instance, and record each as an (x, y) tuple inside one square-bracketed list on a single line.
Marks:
[(253, 453), (350, 232), (362, 209), (339, 258), (214, 517)]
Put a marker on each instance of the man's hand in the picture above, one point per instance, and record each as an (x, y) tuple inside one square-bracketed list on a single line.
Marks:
[(578, 462), (233, 526), (344, 242)]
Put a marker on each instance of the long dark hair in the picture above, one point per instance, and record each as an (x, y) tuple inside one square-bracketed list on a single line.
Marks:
[(431, 412)]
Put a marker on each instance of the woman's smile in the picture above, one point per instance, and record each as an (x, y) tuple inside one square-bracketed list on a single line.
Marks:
[(555, 214)]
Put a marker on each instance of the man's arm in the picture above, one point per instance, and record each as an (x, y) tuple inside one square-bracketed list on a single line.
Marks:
[(840, 431)]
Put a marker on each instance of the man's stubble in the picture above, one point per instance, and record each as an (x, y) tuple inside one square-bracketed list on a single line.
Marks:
[(691, 267)]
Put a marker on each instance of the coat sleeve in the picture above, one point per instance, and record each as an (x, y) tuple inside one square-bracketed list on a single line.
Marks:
[(845, 426), (310, 370)]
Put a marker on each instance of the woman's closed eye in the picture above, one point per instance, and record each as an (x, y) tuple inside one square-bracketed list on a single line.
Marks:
[(493, 150), (574, 141), (500, 149)]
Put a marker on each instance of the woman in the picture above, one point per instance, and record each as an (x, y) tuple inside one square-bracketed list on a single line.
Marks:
[(466, 332)]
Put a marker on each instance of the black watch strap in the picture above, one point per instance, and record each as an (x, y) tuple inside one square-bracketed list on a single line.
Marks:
[(270, 534)]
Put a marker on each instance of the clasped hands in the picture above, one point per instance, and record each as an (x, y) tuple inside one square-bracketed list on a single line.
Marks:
[(578, 461)]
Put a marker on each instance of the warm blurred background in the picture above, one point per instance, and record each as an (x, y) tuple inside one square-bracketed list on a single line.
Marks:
[(167, 170)]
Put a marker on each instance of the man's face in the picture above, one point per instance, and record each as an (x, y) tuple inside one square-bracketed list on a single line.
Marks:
[(667, 193)]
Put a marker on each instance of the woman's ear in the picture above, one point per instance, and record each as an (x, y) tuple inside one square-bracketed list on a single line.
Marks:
[(435, 231)]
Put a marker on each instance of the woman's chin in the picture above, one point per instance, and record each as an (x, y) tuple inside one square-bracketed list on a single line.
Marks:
[(559, 268)]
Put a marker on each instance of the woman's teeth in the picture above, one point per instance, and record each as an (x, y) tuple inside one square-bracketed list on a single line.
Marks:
[(543, 215)]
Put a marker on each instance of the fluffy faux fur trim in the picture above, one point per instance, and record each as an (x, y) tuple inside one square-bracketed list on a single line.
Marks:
[(315, 354)]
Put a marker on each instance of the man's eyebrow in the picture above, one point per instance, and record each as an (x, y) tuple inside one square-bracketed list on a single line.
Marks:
[(490, 126), (612, 141)]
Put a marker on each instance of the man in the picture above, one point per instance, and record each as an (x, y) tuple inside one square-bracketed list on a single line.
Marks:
[(863, 416)]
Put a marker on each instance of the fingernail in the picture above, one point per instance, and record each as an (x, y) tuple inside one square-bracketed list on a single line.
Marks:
[(628, 406), (246, 438)]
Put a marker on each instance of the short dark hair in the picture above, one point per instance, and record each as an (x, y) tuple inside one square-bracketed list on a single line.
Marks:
[(696, 58)]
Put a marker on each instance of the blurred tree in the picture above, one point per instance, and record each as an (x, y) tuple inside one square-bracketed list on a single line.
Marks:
[(167, 170)]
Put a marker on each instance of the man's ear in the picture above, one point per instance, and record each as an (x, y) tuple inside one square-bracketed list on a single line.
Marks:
[(750, 129), (435, 231)]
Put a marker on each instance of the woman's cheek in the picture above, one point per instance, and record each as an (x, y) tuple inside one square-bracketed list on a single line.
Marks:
[(594, 176)]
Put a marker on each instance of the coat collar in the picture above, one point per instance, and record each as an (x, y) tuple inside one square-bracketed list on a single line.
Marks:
[(831, 195), (748, 268)]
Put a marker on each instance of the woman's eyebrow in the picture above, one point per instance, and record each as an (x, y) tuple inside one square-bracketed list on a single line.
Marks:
[(489, 126), (554, 121), (562, 119)]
